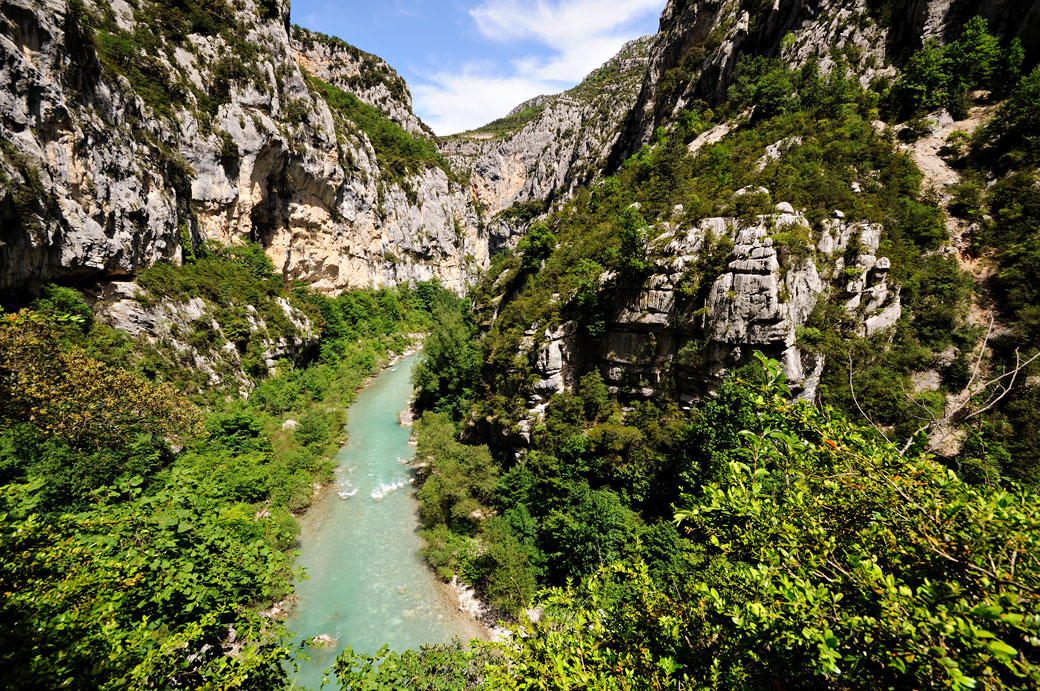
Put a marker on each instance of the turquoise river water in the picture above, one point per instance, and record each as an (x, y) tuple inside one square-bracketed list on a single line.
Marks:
[(368, 585)]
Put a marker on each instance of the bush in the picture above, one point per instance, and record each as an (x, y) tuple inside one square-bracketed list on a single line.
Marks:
[(56, 301)]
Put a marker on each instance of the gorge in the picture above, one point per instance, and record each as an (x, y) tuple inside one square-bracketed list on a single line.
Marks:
[(367, 584), (730, 371)]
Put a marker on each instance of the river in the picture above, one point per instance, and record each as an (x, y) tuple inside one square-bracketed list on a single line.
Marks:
[(367, 584)]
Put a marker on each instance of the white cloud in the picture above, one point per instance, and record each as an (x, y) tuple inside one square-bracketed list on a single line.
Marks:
[(455, 102), (577, 36), (557, 24)]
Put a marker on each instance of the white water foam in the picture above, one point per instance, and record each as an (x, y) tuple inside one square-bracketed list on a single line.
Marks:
[(347, 490), (386, 488)]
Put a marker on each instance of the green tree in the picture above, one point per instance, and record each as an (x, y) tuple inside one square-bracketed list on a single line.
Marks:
[(451, 361), (536, 246), (85, 402), (59, 300)]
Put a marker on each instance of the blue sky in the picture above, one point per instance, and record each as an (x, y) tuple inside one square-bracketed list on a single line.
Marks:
[(469, 62)]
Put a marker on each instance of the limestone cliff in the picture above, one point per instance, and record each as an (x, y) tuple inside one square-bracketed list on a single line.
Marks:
[(547, 147), (700, 42), (362, 74), (661, 340), (133, 131)]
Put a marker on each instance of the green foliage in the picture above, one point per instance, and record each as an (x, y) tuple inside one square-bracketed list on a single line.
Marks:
[(588, 529), (630, 257), (794, 242), (451, 362), (1012, 138), (400, 154), (535, 247), (941, 76), (458, 481), (913, 609), (822, 559), (55, 300), (447, 667), (138, 592), (523, 212), (458, 484), (69, 395), (121, 53), (764, 84), (158, 583), (503, 569)]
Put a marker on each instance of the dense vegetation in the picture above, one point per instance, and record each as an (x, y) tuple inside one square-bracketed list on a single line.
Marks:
[(811, 550), (142, 533), (811, 555)]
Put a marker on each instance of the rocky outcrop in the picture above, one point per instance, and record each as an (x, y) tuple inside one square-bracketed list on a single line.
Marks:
[(700, 42), (665, 339), (366, 76), (128, 139), (190, 334), (564, 142)]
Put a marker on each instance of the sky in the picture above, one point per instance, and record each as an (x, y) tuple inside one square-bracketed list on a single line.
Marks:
[(469, 62)]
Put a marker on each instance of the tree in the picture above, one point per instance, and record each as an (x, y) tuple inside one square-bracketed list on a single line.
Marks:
[(58, 300), (974, 56), (450, 364), (432, 668), (509, 581), (535, 247), (89, 404)]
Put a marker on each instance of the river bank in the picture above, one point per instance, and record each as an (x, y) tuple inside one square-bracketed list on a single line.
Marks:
[(368, 584), (464, 597)]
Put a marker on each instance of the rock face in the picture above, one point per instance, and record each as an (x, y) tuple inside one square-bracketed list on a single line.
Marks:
[(132, 132), (664, 338), (694, 54), (129, 139), (360, 73), (174, 328), (555, 144)]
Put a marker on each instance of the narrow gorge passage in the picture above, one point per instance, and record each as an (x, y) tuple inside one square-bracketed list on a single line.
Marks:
[(367, 583)]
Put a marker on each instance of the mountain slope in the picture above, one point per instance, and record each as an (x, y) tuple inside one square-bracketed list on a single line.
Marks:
[(135, 131)]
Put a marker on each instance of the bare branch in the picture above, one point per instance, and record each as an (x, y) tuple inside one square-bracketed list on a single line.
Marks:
[(982, 353), (1004, 391), (968, 397), (852, 389)]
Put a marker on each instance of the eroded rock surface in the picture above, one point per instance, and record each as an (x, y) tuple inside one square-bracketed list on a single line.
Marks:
[(663, 338), (106, 171)]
